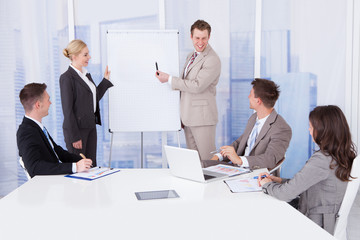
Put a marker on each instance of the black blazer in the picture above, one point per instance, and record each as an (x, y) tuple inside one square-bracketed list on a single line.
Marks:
[(37, 153), (77, 103)]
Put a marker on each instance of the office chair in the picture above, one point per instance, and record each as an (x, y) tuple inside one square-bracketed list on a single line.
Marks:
[(276, 170), (23, 167), (340, 231)]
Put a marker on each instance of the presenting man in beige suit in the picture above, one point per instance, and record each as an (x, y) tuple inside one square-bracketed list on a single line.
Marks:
[(267, 135), (197, 84)]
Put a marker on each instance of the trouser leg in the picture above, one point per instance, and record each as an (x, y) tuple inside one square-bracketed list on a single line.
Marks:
[(202, 139)]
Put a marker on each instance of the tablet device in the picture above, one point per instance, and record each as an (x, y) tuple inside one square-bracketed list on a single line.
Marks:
[(156, 195)]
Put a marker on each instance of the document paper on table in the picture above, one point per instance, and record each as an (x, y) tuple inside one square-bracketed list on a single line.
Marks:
[(93, 173), (228, 170), (243, 185)]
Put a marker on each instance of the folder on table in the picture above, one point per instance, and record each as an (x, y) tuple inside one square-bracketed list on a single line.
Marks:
[(93, 173)]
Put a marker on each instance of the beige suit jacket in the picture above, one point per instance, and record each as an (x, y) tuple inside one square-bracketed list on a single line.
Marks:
[(198, 89), (271, 144)]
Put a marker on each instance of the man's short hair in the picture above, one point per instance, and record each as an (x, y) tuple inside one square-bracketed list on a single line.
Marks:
[(267, 91), (201, 25), (31, 93)]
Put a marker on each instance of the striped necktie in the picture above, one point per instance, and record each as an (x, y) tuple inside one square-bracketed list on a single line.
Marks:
[(192, 59)]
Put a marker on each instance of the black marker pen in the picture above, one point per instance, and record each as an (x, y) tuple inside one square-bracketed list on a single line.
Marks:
[(156, 68)]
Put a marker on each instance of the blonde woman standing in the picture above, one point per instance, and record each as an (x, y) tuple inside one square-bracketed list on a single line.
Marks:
[(80, 101)]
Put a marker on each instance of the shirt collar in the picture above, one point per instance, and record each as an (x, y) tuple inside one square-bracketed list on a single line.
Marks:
[(263, 120), (83, 72)]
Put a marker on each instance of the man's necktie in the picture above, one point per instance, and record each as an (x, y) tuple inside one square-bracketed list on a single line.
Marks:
[(253, 136), (47, 135), (192, 59), (48, 138)]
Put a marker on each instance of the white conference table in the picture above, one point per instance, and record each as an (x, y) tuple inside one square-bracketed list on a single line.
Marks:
[(56, 207)]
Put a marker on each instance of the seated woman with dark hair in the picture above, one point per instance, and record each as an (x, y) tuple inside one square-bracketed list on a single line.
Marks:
[(322, 182)]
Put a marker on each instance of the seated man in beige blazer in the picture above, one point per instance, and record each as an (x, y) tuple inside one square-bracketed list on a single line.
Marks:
[(197, 84), (266, 137)]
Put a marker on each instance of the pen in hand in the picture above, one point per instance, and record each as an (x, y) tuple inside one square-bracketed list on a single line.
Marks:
[(216, 151), (263, 176), (83, 157)]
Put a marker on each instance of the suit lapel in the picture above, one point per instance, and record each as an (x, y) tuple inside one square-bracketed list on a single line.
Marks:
[(246, 134), (186, 63), (88, 75), (197, 59), (42, 134), (264, 130), (79, 79)]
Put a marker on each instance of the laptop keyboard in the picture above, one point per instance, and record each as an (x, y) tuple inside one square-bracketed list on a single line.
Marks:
[(207, 177)]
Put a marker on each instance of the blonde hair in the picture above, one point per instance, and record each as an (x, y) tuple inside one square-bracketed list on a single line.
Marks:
[(74, 48)]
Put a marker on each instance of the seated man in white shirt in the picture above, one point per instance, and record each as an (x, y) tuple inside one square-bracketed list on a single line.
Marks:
[(40, 154), (266, 137)]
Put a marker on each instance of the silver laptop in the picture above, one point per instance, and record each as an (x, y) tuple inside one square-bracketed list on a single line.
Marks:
[(185, 163)]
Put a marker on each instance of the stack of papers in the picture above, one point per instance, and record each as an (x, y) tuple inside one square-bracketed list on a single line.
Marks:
[(228, 170), (93, 173), (243, 185)]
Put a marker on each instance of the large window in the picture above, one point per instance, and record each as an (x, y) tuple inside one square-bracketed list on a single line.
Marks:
[(302, 49), (33, 34)]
